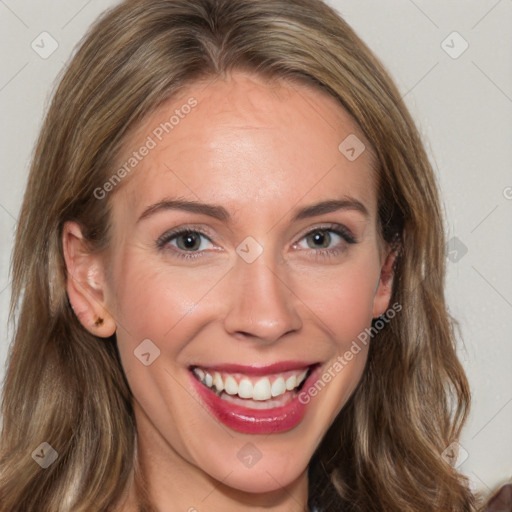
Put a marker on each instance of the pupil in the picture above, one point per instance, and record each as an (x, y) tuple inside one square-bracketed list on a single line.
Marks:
[(190, 241), (321, 238)]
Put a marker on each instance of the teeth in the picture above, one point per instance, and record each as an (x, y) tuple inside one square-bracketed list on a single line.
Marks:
[(230, 386), (301, 377), (278, 387), (245, 389), (291, 382), (260, 390), (218, 382)]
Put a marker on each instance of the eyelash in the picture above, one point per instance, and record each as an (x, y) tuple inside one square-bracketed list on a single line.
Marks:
[(337, 229)]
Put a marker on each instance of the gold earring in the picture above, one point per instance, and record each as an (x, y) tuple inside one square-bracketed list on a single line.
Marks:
[(98, 322)]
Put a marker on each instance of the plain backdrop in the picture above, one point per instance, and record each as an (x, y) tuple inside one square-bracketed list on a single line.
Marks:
[(452, 61)]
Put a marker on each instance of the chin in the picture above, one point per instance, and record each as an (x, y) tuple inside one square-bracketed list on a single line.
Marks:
[(263, 480)]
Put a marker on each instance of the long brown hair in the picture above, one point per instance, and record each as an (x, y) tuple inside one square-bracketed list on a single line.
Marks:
[(66, 387)]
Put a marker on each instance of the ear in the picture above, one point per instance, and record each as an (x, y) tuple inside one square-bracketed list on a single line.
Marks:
[(85, 282), (384, 289)]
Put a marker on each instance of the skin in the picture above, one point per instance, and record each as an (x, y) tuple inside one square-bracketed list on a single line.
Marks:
[(261, 150)]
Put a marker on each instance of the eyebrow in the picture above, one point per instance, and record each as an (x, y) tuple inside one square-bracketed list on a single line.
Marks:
[(220, 213)]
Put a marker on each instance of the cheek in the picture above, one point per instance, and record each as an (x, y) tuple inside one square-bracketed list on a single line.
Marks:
[(155, 301), (342, 299), (342, 303)]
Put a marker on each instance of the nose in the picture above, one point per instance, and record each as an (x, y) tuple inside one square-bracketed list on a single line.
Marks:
[(262, 304)]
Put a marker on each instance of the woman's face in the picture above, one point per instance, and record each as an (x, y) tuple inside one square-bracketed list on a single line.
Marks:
[(245, 245)]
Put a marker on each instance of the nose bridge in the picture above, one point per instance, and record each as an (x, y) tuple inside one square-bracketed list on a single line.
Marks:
[(262, 305)]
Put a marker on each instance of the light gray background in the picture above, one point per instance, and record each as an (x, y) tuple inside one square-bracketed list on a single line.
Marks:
[(463, 107)]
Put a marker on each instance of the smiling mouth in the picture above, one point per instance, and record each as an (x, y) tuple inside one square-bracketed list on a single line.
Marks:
[(254, 392)]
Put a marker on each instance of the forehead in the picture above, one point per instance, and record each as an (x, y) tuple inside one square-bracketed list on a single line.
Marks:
[(245, 142)]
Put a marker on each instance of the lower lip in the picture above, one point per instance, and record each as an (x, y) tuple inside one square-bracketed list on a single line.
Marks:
[(257, 421)]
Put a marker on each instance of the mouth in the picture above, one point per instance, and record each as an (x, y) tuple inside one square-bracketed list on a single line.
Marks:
[(253, 399)]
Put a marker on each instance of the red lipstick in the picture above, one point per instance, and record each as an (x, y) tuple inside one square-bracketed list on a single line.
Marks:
[(258, 421)]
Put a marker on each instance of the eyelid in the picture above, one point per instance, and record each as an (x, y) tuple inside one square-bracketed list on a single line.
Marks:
[(340, 229), (180, 230)]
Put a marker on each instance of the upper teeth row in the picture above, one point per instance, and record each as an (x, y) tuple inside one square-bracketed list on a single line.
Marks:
[(260, 390)]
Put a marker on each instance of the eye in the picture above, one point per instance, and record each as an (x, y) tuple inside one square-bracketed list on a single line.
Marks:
[(185, 241), (330, 240), (321, 239), (189, 241)]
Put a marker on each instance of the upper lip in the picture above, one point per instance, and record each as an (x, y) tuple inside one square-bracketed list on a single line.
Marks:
[(253, 369)]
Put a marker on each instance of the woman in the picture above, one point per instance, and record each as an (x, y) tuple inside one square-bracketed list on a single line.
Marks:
[(229, 271)]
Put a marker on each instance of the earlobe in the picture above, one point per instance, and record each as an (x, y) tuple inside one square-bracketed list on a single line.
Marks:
[(385, 285), (85, 283)]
